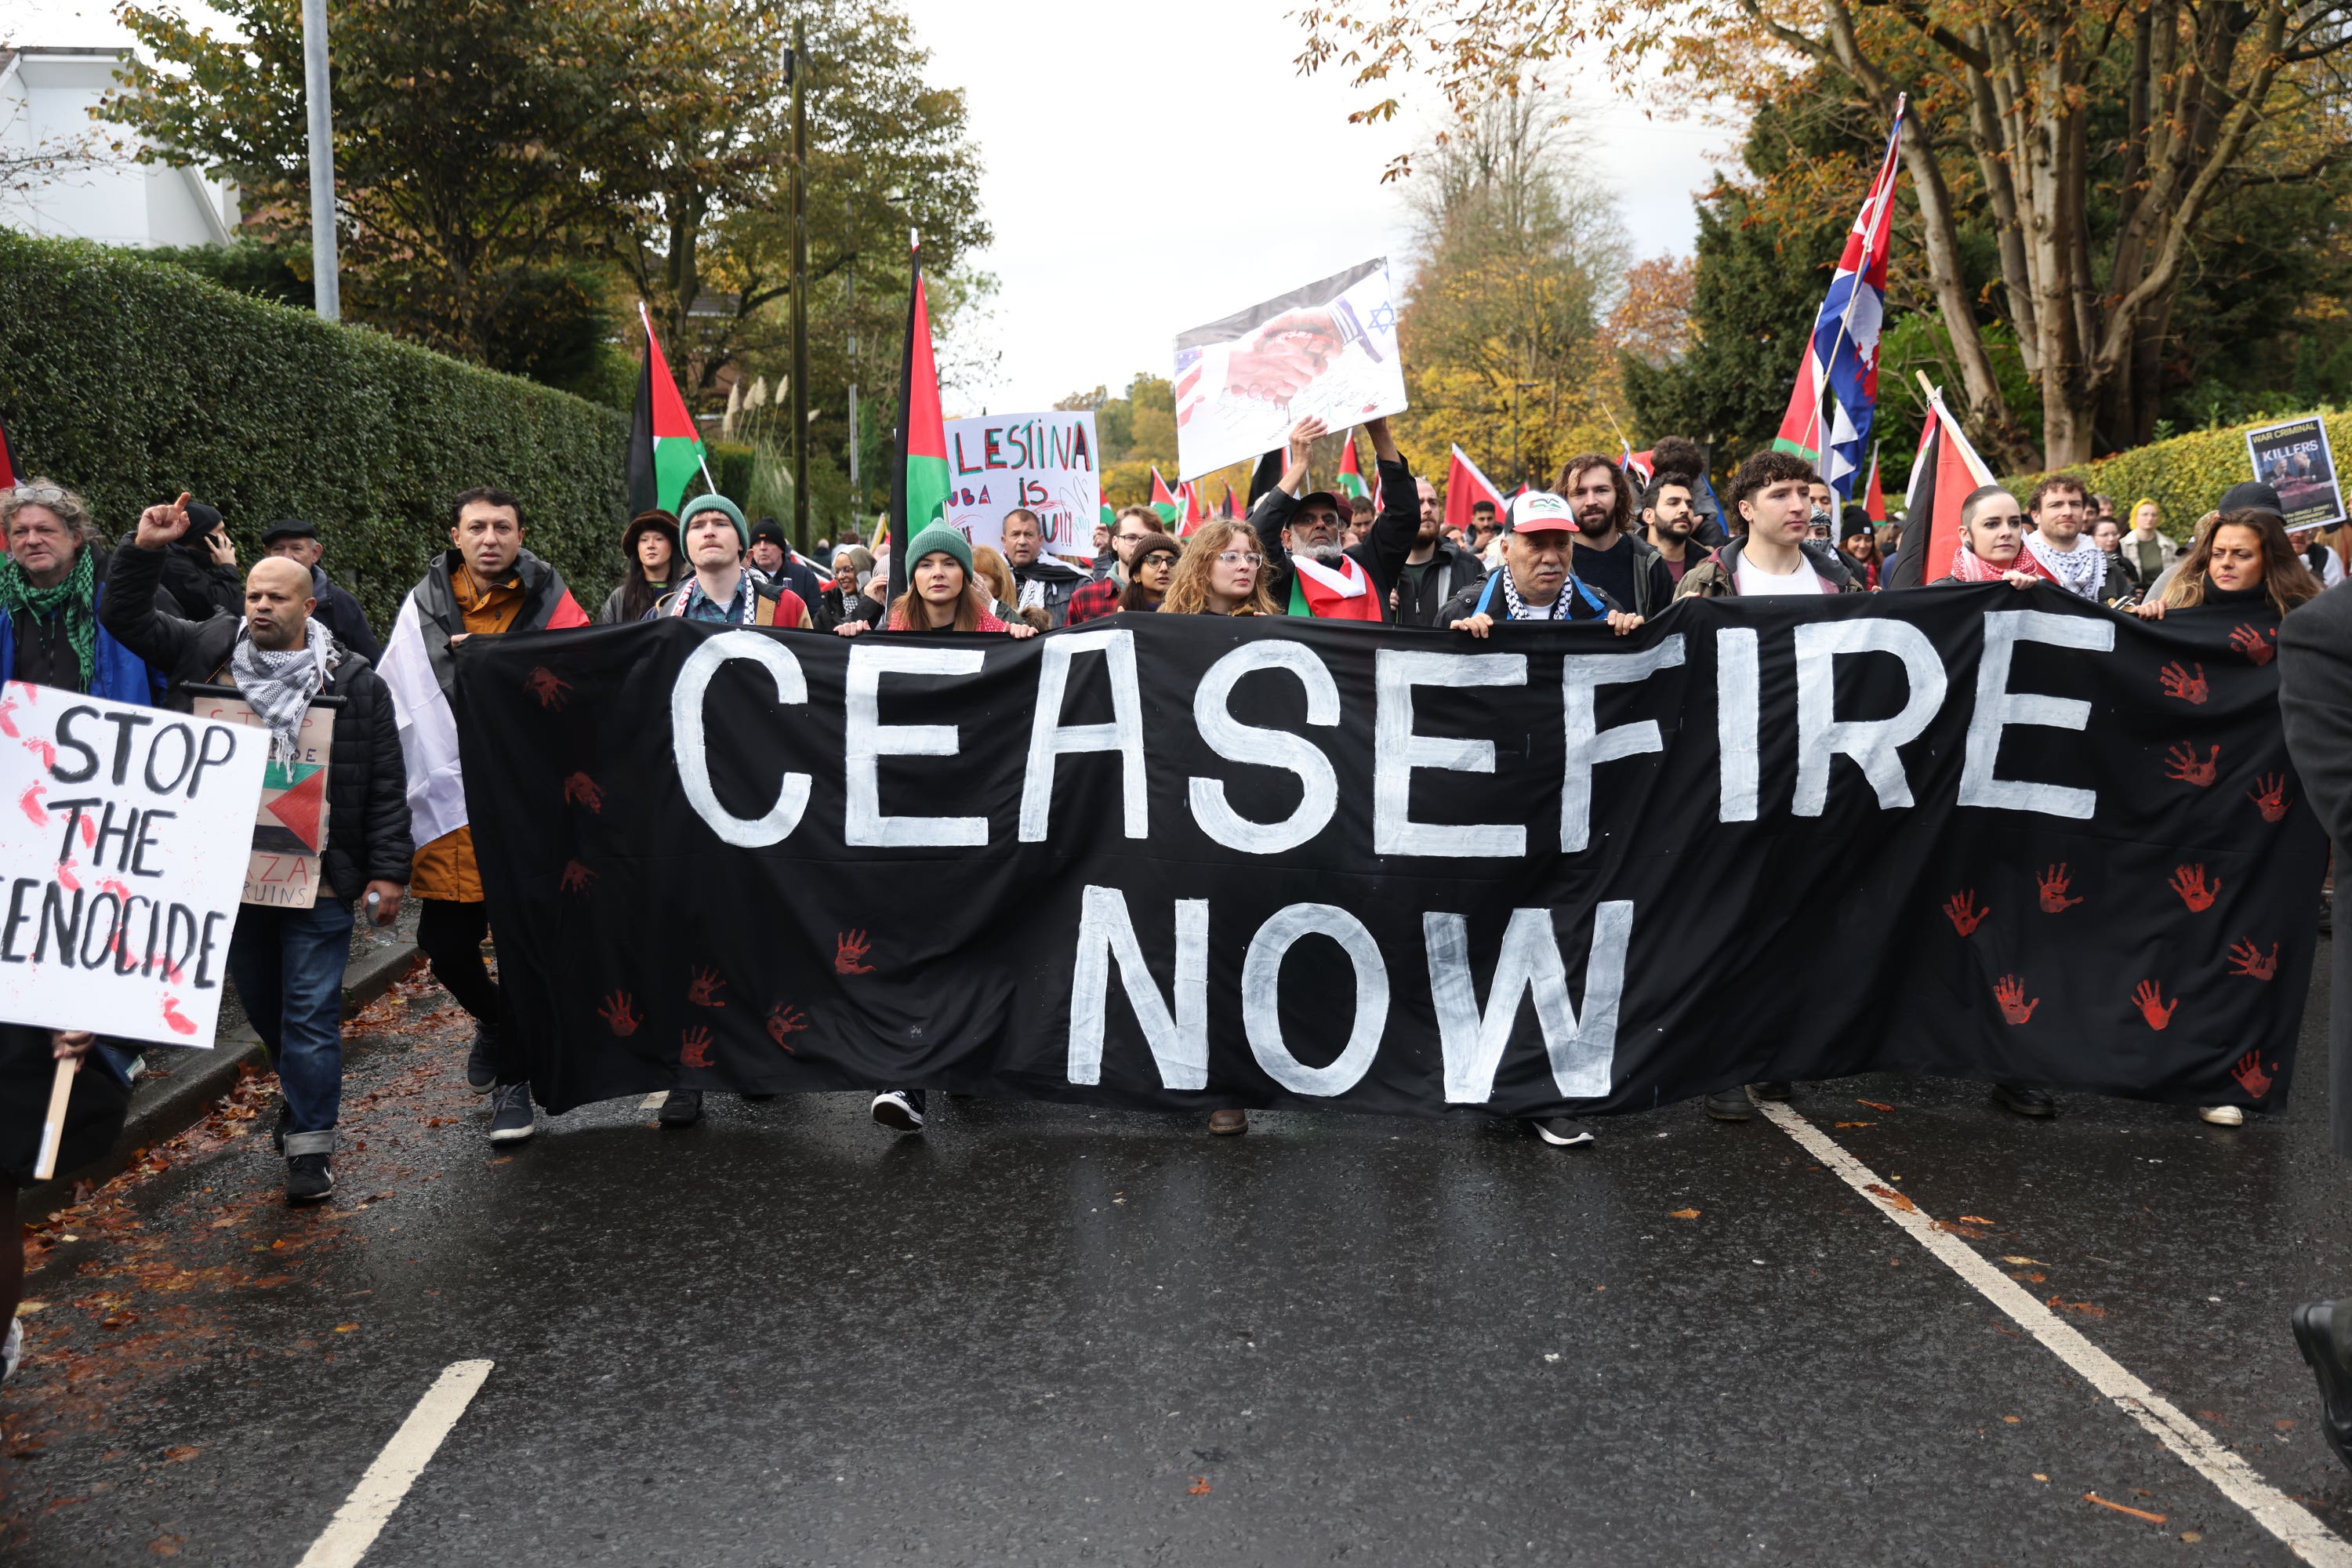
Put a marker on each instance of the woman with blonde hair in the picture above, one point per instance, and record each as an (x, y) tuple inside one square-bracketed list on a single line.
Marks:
[(2145, 551), (1222, 571)]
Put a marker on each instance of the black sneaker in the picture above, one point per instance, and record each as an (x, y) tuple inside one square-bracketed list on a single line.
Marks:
[(2314, 1336), (1730, 1105), (308, 1179), (2025, 1101), (1563, 1131), (1776, 1090), (512, 1118), (480, 1075), (682, 1109), (900, 1110)]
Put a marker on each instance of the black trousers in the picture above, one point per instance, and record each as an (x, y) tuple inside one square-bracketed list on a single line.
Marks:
[(451, 934)]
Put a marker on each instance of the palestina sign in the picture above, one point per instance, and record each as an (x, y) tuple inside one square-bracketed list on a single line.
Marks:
[(1175, 862), (1043, 462), (123, 835)]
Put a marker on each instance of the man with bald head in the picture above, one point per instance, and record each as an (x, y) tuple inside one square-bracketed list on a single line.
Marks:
[(286, 956)]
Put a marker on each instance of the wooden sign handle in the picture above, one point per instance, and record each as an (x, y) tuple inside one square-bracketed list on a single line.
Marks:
[(53, 1130)]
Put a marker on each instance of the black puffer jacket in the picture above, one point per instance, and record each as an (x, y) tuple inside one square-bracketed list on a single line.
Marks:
[(367, 781)]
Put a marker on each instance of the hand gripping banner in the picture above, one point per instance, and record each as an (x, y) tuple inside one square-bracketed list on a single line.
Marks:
[(1181, 862)]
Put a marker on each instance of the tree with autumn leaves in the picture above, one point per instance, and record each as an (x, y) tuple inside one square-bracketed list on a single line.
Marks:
[(2100, 144)]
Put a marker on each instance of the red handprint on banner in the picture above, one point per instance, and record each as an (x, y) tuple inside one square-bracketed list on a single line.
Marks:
[(784, 1020), (543, 684), (849, 953), (2188, 881), (2269, 795), (576, 877), (2152, 1005), (1961, 911), (2010, 992), (2179, 682), (2180, 763), (2254, 962), (2053, 883), (617, 1014), (695, 1047), (2249, 1074), (579, 787), (2250, 641), (704, 990)]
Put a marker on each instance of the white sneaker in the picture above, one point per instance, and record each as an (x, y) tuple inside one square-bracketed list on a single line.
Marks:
[(2222, 1115), (12, 1350), (900, 1110)]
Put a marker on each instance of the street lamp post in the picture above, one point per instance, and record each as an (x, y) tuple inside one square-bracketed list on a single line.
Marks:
[(799, 71), (319, 90)]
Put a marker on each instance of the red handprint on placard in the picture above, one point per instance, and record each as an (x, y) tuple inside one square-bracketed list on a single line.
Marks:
[(2054, 882), (42, 749), (2188, 881), (2010, 992), (1961, 911), (2180, 763), (180, 1022), (2152, 1005), (2179, 682), (576, 877), (2253, 962), (8, 725), (29, 802), (849, 953), (784, 1020), (2251, 642), (2269, 795), (2249, 1074), (544, 684), (695, 1047), (617, 1014), (581, 788), (704, 990)]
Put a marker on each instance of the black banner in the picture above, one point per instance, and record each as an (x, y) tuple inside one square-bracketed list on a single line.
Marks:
[(1185, 862)]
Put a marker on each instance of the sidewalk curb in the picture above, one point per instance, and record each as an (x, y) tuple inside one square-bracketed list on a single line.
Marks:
[(163, 1104)]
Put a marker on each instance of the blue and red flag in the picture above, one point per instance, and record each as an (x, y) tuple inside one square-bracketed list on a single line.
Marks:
[(1836, 395)]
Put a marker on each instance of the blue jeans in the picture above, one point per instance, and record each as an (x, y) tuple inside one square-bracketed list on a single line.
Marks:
[(289, 969)]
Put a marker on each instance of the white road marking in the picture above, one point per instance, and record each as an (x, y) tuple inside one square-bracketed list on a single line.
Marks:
[(2304, 1534), (655, 1101), (364, 1513)]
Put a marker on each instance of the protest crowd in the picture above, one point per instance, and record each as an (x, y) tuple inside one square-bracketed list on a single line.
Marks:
[(1608, 541)]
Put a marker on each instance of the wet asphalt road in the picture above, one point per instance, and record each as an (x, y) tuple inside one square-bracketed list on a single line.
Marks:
[(1045, 1335)]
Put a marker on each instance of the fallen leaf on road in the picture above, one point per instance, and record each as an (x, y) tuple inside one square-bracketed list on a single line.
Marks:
[(2192, 1537), (2085, 1309), (1858, 1124), (2135, 1512), (1976, 1219), (2031, 1275), (1892, 1197), (1684, 1214), (1973, 1232), (2283, 1425), (27, 1308), (167, 1545), (1875, 1105), (173, 1456), (2031, 1261), (1200, 1487), (2011, 1419), (2040, 1477), (345, 1327)]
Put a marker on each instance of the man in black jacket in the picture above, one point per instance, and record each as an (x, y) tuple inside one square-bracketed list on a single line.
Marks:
[(2314, 660), (200, 577), (1350, 584), (299, 542), (1436, 570), (288, 962)]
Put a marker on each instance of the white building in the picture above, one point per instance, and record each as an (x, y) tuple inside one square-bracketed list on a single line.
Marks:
[(66, 176)]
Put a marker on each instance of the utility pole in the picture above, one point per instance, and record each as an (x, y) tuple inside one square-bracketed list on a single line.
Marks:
[(319, 90), (797, 73), (857, 496)]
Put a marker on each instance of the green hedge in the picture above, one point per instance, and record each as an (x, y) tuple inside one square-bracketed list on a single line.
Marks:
[(2185, 474), (131, 380)]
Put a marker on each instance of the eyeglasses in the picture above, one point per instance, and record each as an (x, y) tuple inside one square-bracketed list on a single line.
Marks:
[(40, 495), (1239, 558), (1132, 538)]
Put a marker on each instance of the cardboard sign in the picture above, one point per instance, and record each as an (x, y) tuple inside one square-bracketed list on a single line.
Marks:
[(2292, 460), (124, 833), (290, 830), (1329, 348), (1044, 462)]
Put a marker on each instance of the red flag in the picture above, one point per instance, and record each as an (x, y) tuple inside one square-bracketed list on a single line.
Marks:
[(1351, 476), (1465, 486), (1945, 470), (1874, 499), (10, 474), (1194, 513)]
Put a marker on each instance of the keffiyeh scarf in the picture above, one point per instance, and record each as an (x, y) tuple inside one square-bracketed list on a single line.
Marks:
[(280, 685), (2080, 572)]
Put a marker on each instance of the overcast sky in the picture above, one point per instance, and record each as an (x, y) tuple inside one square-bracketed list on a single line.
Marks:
[(1151, 169)]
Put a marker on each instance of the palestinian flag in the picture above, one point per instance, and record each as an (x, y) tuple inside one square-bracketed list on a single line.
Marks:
[(920, 498), (1341, 592), (1164, 500), (1942, 475), (1465, 487), (1233, 510), (1873, 499), (1195, 514), (1351, 478), (664, 449)]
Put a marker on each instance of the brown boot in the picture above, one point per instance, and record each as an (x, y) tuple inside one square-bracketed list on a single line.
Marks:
[(1224, 1121)]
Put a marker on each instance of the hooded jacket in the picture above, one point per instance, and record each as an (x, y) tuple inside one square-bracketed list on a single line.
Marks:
[(1451, 569), (195, 587), (367, 786), (1718, 577)]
